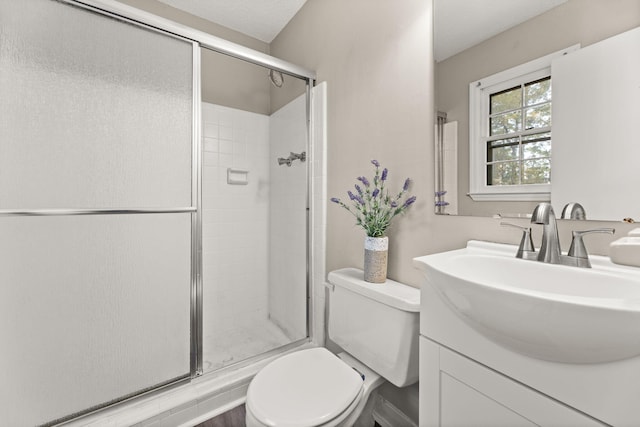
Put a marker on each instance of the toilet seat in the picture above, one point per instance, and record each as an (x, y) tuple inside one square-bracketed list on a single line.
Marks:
[(303, 389)]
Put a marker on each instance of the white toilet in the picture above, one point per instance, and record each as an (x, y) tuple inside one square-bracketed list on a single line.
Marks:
[(376, 324)]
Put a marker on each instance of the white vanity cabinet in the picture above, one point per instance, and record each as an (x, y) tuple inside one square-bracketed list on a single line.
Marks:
[(481, 355), (459, 392)]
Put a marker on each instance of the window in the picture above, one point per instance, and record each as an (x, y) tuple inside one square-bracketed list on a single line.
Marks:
[(519, 142), (510, 133)]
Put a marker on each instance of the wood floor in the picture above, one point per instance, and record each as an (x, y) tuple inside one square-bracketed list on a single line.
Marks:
[(232, 418)]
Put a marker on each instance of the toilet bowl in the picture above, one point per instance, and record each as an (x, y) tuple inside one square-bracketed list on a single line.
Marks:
[(310, 387), (376, 324)]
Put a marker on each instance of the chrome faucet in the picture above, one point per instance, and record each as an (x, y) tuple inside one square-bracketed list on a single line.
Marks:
[(573, 210), (550, 248), (292, 156), (550, 251)]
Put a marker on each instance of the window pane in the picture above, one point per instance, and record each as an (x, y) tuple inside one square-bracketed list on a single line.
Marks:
[(538, 117), (503, 149), (536, 146), (504, 173), (538, 91), (536, 171), (506, 100), (506, 123)]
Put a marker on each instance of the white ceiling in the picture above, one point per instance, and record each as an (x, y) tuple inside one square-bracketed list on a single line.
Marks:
[(261, 19), (458, 24)]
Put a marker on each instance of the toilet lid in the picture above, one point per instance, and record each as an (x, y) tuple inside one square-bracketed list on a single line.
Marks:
[(303, 389)]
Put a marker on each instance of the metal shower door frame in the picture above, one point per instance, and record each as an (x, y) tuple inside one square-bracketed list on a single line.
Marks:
[(201, 39)]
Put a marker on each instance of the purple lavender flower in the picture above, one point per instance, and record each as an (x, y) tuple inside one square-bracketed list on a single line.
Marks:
[(442, 203), (441, 193), (409, 201), (364, 181), (371, 204)]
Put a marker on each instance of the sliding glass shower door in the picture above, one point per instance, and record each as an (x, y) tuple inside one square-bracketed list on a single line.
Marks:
[(97, 207)]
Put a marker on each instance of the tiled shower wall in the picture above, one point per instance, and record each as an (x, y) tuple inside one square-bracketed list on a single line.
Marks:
[(254, 235), (288, 268), (235, 224)]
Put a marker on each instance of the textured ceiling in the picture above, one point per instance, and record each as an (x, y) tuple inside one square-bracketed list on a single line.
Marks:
[(261, 19), (460, 24)]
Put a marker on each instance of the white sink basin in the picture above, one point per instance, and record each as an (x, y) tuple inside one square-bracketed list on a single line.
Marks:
[(551, 312)]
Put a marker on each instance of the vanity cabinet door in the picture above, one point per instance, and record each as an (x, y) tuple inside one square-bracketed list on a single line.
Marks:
[(462, 405), (456, 391)]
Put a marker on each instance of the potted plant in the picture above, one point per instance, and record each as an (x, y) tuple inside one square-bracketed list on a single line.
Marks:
[(374, 208)]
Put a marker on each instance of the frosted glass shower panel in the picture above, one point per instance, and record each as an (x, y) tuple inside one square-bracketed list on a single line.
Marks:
[(94, 111), (92, 308)]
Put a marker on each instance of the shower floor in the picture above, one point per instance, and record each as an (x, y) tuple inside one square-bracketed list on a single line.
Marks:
[(228, 346)]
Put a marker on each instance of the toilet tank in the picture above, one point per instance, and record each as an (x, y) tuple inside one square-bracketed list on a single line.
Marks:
[(377, 323)]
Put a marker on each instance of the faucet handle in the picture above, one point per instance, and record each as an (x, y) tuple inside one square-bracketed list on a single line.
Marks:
[(578, 249), (526, 243)]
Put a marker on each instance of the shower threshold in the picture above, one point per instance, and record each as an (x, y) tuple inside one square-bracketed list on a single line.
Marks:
[(202, 398)]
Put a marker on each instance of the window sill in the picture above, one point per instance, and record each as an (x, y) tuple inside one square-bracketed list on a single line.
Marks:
[(510, 197)]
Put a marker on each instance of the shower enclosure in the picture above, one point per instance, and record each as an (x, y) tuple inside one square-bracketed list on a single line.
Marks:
[(254, 216), (147, 236)]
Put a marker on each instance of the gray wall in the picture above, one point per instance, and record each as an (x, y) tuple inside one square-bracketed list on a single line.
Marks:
[(577, 21), (375, 56)]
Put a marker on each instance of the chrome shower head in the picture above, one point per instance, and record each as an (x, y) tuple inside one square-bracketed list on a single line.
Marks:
[(276, 77)]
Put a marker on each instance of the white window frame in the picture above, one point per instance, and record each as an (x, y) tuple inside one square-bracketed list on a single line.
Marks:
[(479, 93)]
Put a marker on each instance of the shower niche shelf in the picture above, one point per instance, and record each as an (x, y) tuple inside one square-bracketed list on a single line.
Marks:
[(237, 176)]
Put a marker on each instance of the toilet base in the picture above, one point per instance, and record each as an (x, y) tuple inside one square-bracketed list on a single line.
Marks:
[(372, 381)]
